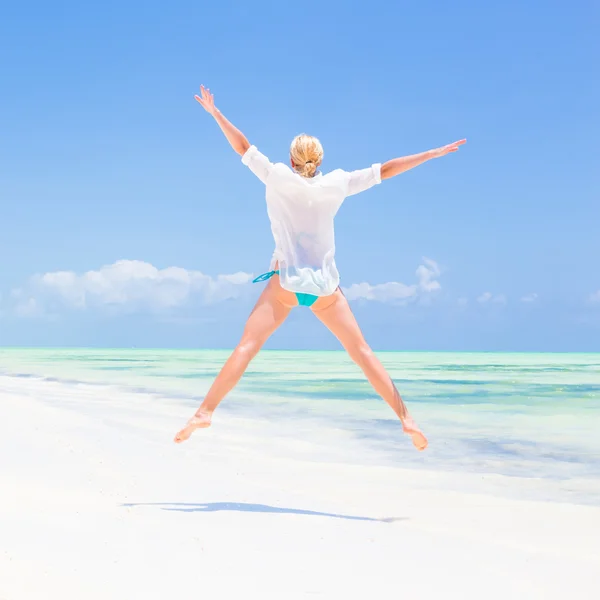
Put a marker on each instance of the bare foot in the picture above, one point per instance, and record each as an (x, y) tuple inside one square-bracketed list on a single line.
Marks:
[(200, 421), (418, 439)]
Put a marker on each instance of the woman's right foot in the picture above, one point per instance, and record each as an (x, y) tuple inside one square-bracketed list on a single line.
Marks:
[(199, 421), (418, 439)]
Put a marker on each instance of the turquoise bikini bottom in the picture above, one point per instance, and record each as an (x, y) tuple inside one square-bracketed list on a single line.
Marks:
[(303, 299)]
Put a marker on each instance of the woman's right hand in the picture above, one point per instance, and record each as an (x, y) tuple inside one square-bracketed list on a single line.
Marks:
[(447, 149), (206, 100)]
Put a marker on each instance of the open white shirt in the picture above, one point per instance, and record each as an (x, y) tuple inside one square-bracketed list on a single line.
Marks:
[(301, 211)]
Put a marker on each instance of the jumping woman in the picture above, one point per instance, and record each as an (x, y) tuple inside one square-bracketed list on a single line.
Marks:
[(301, 204)]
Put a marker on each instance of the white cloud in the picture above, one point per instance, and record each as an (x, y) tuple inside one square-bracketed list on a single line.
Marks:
[(595, 297), (489, 298), (530, 297), (394, 292), (126, 285)]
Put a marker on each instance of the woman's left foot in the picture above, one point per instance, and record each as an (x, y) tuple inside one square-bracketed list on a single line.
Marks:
[(200, 421), (418, 439)]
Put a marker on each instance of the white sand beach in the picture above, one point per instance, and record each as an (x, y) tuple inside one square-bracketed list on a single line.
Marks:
[(97, 502)]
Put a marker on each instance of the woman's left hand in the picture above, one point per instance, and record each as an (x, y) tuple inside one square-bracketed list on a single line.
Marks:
[(206, 100)]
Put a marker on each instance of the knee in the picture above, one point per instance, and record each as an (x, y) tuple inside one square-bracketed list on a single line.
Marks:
[(361, 354), (247, 350)]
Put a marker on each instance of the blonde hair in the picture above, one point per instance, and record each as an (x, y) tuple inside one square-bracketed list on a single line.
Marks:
[(307, 154)]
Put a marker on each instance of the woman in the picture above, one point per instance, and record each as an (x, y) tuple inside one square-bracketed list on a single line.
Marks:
[(302, 203)]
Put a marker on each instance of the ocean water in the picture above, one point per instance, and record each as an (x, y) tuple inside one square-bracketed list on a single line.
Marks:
[(528, 422)]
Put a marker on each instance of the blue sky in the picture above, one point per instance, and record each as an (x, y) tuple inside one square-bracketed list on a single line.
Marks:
[(105, 157)]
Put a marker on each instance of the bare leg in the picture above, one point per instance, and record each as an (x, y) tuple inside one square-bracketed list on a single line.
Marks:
[(270, 312), (335, 312)]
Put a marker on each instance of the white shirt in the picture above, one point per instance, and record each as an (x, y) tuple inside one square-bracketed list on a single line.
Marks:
[(301, 211)]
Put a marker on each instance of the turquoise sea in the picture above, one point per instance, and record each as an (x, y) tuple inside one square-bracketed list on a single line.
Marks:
[(529, 419)]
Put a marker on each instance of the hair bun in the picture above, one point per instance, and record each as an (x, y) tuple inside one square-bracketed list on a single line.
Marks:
[(309, 168)]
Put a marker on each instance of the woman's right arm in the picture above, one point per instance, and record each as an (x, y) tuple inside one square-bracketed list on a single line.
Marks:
[(400, 165), (359, 181), (234, 136)]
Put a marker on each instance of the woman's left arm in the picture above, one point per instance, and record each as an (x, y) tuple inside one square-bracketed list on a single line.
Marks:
[(234, 136), (399, 165)]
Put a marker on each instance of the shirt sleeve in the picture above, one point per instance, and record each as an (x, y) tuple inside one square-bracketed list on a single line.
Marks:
[(258, 163), (363, 179)]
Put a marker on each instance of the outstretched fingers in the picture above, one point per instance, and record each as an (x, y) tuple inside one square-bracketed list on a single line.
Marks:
[(206, 95), (206, 99), (455, 145)]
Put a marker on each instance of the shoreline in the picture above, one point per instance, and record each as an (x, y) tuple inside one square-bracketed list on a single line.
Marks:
[(302, 438)]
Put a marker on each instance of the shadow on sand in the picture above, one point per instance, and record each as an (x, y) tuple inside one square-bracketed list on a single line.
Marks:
[(254, 508)]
